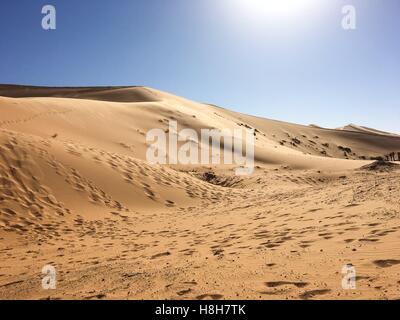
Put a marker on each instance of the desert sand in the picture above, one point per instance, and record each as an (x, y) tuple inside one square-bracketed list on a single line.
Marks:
[(77, 193)]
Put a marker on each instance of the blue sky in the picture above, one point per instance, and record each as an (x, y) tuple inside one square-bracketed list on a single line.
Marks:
[(300, 67)]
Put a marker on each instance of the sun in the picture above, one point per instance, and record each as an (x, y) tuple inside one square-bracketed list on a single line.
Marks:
[(280, 7), (275, 9)]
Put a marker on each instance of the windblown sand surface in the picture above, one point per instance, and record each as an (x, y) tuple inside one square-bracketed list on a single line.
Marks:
[(77, 193)]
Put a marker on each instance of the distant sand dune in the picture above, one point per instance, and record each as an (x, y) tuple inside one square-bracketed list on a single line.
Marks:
[(356, 128)]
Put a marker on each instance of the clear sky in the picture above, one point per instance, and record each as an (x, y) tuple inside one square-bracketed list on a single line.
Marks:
[(252, 56)]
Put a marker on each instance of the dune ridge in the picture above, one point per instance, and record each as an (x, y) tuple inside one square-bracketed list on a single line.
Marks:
[(356, 128)]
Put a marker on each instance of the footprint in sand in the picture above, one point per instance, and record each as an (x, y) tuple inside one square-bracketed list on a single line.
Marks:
[(386, 263), (159, 255), (311, 294), (274, 284), (210, 296)]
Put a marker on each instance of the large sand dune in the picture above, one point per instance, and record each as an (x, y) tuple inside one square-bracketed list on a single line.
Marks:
[(76, 192)]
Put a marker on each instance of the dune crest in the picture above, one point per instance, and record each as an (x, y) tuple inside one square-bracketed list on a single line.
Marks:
[(363, 129)]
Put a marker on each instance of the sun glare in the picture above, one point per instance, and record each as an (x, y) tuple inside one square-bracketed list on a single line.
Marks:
[(275, 9)]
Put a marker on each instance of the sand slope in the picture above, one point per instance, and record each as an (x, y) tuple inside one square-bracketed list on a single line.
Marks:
[(77, 193)]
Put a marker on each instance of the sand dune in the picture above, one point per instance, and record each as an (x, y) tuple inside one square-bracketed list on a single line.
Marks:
[(115, 94), (356, 128), (76, 192)]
